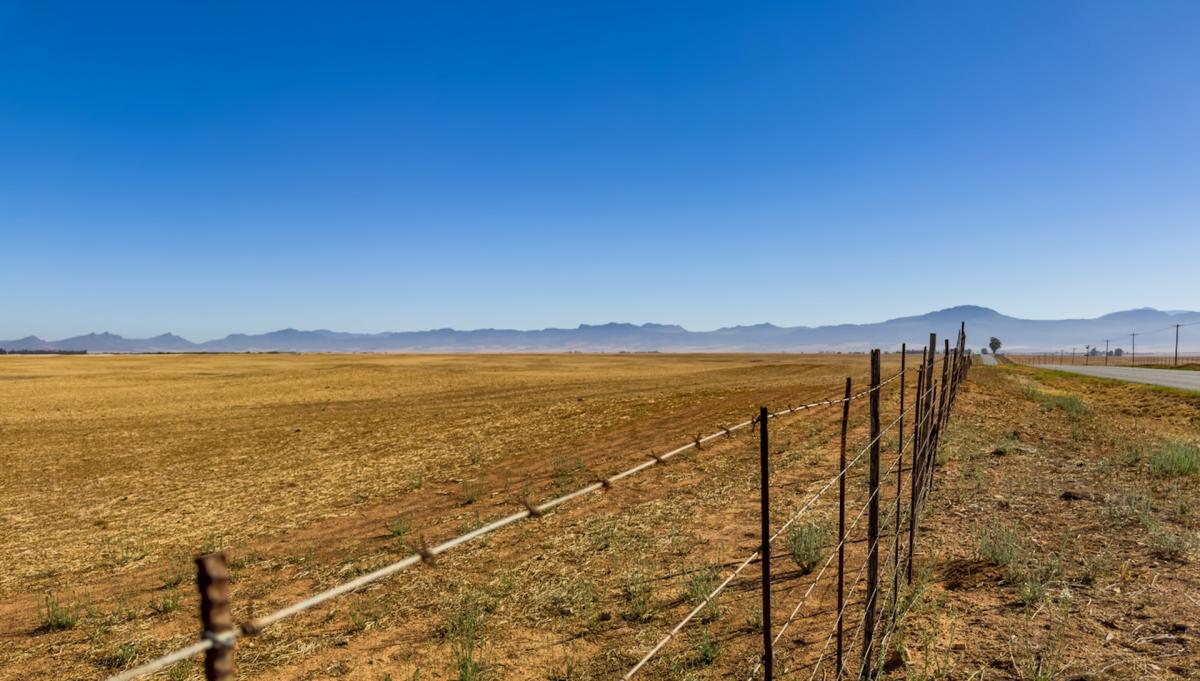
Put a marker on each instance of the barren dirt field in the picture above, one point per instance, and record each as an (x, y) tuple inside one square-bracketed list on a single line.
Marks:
[(1055, 543)]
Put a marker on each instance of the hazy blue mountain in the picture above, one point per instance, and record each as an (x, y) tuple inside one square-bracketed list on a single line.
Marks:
[(982, 323)]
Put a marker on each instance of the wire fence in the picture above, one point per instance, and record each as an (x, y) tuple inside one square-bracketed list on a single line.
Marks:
[(931, 409), (1116, 352)]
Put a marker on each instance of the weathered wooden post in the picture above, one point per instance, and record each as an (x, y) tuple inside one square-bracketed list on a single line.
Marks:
[(212, 578)]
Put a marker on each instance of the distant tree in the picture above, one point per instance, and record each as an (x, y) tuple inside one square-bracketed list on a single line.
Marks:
[(994, 344), (1118, 352), (984, 351), (1095, 352)]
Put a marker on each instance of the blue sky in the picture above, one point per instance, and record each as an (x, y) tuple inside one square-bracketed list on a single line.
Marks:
[(207, 168)]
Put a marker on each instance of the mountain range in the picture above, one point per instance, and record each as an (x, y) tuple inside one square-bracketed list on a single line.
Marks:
[(982, 323)]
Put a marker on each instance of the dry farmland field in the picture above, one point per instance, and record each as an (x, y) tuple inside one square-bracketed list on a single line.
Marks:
[(1060, 536)]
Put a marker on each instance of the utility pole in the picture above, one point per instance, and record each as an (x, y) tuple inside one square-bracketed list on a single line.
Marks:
[(1176, 362), (1105, 352), (1133, 342), (1072, 356)]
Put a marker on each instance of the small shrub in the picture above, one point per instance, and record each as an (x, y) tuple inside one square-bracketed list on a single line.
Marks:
[(1093, 567), (700, 584), (1175, 460), (180, 670), (1129, 458), (1128, 508), (1070, 404), (178, 574), (57, 616), (399, 527), (706, 647), (361, 618), (121, 657), (166, 603), (754, 620), (1169, 545), (464, 632), (998, 544), (804, 543), (1033, 578), (638, 597), (471, 491)]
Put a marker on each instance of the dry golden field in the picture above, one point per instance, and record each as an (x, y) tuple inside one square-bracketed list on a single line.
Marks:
[(312, 469), (120, 468)]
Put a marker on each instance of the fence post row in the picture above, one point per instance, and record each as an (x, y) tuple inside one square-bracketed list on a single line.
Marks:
[(765, 510), (212, 579)]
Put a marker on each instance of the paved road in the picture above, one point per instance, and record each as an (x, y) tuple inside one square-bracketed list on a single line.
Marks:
[(988, 360), (1172, 378)]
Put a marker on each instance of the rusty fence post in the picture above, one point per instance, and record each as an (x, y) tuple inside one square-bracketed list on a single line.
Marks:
[(872, 525), (841, 589), (765, 511), (212, 578)]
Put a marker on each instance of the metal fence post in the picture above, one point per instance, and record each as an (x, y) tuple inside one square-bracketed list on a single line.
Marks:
[(841, 592), (212, 578), (914, 477), (765, 511), (872, 525), (899, 484)]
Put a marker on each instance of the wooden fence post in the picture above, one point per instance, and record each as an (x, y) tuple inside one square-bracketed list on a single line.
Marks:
[(872, 525), (212, 578), (765, 511)]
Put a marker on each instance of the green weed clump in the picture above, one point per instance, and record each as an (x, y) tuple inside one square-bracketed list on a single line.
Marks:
[(465, 633), (1175, 460), (1168, 545), (1070, 404), (700, 584), (639, 597), (804, 543), (399, 527), (998, 544), (57, 616)]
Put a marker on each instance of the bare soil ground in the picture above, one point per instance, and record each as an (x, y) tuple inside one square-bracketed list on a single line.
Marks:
[(1066, 540), (310, 470)]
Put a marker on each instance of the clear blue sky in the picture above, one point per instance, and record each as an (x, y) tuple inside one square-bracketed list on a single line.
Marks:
[(208, 168)]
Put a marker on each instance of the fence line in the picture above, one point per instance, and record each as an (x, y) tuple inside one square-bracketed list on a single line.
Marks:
[(224, 640), (1117, 355), (829, 561), (750, 559)]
